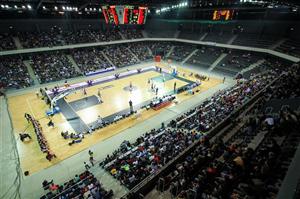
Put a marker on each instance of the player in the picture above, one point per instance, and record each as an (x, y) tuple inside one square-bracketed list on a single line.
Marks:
[(84, 91), (99, 119), (130, 86), (130, 106), (174, 87)]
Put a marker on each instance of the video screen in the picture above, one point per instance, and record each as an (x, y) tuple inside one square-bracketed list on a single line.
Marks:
[(222, 15), (125, 14)]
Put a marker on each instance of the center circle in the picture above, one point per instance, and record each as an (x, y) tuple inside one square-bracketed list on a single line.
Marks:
[(130, 88)]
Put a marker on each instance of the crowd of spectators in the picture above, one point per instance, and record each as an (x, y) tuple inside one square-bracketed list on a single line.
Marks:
[(58, 37), (84, 185), (6, 42), (80, 36), (251, 162), (108, 35), (14, 73), (50, 38), (133, 162), (120, 55), (180, 52), (90, 59), (160, 48), (219, 106), (141, 51), (132, 33), (213, 169), (53, 66)]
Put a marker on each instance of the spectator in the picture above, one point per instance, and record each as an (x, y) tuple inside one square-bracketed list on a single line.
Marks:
[(87, 167), (90, 60), (120, 56), (6, 42), (14, 73), (53, 66)]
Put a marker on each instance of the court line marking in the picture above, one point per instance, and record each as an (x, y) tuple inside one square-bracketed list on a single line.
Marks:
[(76, 114), (31, 110), (2, 120)]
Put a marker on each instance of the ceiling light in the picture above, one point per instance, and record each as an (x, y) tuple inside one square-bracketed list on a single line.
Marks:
[(29, 7), (55, 8)]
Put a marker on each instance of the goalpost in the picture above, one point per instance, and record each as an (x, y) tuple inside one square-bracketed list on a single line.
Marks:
[(172, 68), (53, 108)]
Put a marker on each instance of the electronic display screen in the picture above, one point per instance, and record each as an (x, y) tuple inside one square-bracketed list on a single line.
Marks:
[(222, 15), (125, 14)]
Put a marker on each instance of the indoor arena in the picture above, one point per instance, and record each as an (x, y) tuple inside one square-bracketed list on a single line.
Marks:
[(155, 99)]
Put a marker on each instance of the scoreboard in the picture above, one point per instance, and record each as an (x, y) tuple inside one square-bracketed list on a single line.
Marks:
[(223, 15), (117, 14)]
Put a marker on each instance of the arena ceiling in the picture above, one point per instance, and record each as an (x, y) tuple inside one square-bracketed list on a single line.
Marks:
[(92, 8), (154, 3)]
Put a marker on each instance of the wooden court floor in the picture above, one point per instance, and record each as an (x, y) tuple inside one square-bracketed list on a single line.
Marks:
[(115, 99)]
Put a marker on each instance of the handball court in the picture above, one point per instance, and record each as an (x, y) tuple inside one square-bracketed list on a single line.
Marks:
[(115, 99)]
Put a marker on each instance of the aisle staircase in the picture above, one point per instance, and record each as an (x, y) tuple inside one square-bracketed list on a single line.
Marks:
[(74, 64), (278, 43), (217, 61), (133, 54), (189, 56), (231, 40), (177, 34), (27, 63), (122, 36), (145, 34), (203, 36), (150, 51), (109, 182), (17, 42), (252, 66), (170, 51), (104, 55)]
